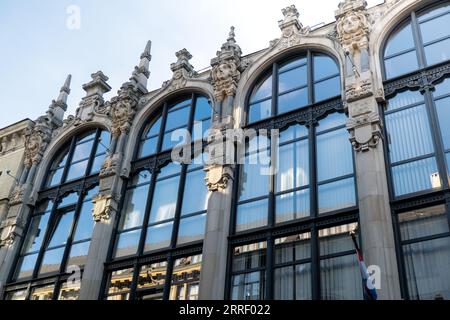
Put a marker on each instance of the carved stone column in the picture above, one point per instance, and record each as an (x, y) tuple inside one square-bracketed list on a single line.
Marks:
[(364, 126)]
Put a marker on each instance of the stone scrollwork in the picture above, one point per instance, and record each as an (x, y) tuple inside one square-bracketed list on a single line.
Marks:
[(358, 90), (218, 177), (365, 131), (291, 28), (103, 207), (353, 25)]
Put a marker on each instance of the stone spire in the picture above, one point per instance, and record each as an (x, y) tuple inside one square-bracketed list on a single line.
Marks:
[(55, 112), (141, 73), (182, 63)]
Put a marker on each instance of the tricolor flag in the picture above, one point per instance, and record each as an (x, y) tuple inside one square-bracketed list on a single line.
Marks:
[(370, 293)]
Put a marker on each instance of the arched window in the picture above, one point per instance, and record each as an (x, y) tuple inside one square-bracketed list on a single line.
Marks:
[(417, 126), (59, 232), (164, 210), (298, 169), (421, 41)]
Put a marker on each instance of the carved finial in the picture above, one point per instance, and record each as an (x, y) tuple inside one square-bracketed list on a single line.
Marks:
[(231, 35), (350, 5), (141, 73), (65, 90), (183, 57), (290, 18)]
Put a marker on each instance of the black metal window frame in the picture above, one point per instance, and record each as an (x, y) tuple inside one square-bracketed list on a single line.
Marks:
[(154, 163), (308, 116), (55, 194), (424, 80)]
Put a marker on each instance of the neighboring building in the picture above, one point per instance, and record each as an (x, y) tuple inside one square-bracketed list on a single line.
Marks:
[(363, 110)]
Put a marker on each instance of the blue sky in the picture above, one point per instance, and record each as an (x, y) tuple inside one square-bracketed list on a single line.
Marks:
[(38, 49)]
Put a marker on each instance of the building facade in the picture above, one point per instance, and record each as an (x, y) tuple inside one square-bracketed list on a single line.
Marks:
[(348, 122)]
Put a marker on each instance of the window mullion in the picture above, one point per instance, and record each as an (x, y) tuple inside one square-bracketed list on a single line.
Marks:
[(68, 161), (418, 41), (162, 128)]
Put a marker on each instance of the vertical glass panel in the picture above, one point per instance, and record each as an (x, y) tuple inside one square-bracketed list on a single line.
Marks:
[(171, 169), (293, 248), (423, 222), (120, 283), (438, 52), (154, 129), (409, 134), (293, 166), (78, 254), (292, 100), (164, 200), (85, 224), (432, 29), (69, 291), (398, 65), (54, 177), (262, 90), (292, 64), (416, 176), (293, 282), (427, 269), (202, 109), (51, 261), (400, 41), (25, 266), (253, 181), (127, 243), (340, 279), (442, 88), (62, 229), (152, 278), (186, 275), (178, 118), (331, 121), (292, 133), (134, 207), (173, 138), (334, 155), (16, 295), (104, 142), (248, 286), (97, 164), (336, 239), (69, 200), (260, 110), (82, 151), (324, 66), (292, 206), (35, 233), (403, 99), (292, 79), (192, 229), (200, 128), (77, 170), (249, 256), (195, 197), (252, 215), (158, 236), (143, 176), (337, 195), (42, 293), (327, 89), (85, 137)]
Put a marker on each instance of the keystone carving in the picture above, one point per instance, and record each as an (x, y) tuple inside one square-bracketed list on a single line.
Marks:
[(365, 131)]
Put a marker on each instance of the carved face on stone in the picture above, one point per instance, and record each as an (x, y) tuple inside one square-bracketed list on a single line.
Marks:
[(223, 71), (351, 24), (177, 75), (120, 111), (34, 143)]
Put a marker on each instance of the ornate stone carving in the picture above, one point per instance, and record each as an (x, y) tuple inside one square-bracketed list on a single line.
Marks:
[(16, 196), (365, 131), (37, 139), (122, 114), (218, 177), (291, 28), (358, 90), (102, 207), (352, 25), (10, 229), (109, 167), (182, 71)]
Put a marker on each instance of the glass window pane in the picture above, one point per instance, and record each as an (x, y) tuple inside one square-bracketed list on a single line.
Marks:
[(409, 134), (127, 243), (120, 281), (336, 239), (293, 283), (427, 269), (69, 290), (292, 64), (158, 236), (82, 151), (293, 248), (97, 164), (85, 137), (35, 233), (249, 286), (192, 229), (253, 181), (403, 99), (443, 111), (334, 155), (260, 111), (433, 11), (62, 229), (164, 200), (85, 224), (438, 52), (292, 79), (337, 195), (169, 170), (202, 109), (262, 90), (69, 200), (25, 266), (432, 29), (327, 89), (103, 144), (134, 207), (400, 41), (143, 176), (324, 66), (293, 132), (401, 64), (178, 118), (423, 222), (340, 279), (443, 88), (249, 256), (200, 128), (292, 206), (152, 278), (252, 215), (331, 121), (16, 295), (292, 100), (185, 275), (54, 177), (78, 254), (293, 166), (416, 176), (42, 293), (77, 170), (173, 138), (51, 261), (154, 128), (195, 197)]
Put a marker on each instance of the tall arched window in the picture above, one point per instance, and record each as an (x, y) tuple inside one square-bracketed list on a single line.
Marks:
[(163, 212), (59, 232), (289, 181), (417, 126)]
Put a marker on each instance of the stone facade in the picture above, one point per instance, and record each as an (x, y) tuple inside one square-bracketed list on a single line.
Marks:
[(355, 40)]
